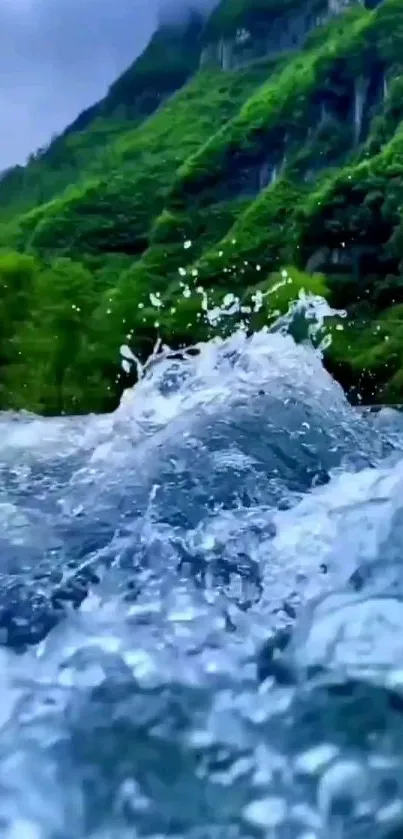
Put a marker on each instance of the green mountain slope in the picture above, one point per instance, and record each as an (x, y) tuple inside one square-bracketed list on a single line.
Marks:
[(268, 138), (171, 57)]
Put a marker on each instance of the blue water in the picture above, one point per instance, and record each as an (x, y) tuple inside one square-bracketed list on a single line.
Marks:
[(201, 608)]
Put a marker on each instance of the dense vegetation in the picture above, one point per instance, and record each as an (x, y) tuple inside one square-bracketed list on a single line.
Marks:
[(187, 182)]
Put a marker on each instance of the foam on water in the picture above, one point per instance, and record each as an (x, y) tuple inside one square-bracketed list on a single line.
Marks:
[(200, 608)]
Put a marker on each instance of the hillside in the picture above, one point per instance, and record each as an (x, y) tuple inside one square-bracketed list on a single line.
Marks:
[(171, 57), (268, 137)]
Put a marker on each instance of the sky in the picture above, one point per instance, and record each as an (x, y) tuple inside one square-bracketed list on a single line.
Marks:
[(57, 57)]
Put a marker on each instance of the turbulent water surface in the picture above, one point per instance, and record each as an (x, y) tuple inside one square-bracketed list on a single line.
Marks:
[(201, 608)]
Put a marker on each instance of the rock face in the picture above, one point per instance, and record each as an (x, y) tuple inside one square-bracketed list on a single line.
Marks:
[(282, 33), (343, 106)]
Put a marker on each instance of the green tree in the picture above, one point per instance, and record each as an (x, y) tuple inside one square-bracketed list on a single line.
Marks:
[(50, 339), (17, 273)]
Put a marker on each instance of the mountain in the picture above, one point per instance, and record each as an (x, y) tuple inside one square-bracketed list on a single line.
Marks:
[(171, 57), (256, 153)]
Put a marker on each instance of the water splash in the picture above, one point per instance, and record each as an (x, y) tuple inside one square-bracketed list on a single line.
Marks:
[(169, 574), (305, 318)]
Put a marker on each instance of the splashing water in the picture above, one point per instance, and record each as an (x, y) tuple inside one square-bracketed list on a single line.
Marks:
[(201, 607)]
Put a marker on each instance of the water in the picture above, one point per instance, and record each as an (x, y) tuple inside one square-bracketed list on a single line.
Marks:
[(201, 608)]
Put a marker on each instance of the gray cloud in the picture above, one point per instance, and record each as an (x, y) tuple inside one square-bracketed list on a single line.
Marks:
[(59, 56)]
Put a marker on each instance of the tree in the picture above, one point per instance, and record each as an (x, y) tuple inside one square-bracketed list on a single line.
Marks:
[(51, 337)]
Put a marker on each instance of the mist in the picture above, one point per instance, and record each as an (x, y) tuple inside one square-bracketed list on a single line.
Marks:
[(57, 57), (176, 10)]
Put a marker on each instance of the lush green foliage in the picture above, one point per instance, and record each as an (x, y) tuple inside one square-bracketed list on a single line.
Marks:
[(284, 103), (113, 212), (17, 274), (174, 208)]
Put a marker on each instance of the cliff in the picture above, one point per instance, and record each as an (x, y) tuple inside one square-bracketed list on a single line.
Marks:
[(267, 137), (241, 32)]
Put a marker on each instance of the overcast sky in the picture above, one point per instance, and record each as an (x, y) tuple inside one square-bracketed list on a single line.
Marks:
[(59, 56)]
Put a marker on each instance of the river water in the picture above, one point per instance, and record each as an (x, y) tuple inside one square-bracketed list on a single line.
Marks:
[(201, 608)]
